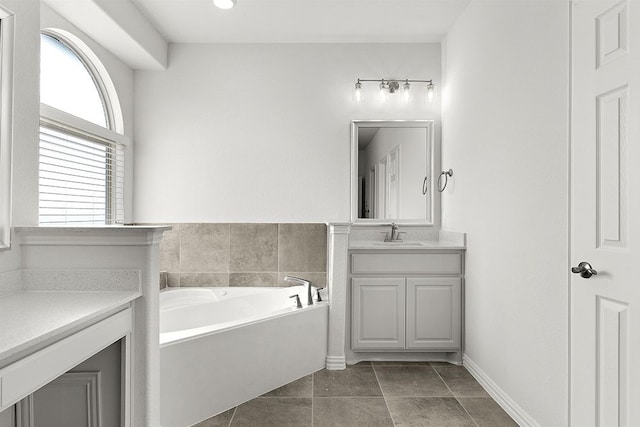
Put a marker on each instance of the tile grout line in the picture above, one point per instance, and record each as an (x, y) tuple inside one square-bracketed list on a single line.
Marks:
[(384, 398), (232, 416), (454, 396)]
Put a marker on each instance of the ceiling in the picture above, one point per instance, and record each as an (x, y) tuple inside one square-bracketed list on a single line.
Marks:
[(303, 21)]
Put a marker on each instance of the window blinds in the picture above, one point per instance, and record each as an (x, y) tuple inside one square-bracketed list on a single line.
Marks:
[(81, 178)]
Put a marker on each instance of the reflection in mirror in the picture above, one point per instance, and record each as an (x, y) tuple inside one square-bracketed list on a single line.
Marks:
[(6, 123), (392, 171)]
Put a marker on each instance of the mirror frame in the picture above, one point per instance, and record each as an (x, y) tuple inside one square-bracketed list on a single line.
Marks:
[(435, 163), (7, 22)]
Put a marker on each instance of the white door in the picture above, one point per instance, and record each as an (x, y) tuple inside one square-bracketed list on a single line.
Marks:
[(605, 206)]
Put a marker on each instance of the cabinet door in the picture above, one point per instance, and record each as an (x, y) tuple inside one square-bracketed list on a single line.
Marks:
[(433, 312), (378, 312)]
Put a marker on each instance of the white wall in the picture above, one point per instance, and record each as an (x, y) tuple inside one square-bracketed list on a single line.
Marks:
[(261, 133), (26, 118), (505, 134)]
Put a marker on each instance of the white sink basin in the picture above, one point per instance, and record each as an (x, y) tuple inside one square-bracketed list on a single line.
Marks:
[(401, 244)]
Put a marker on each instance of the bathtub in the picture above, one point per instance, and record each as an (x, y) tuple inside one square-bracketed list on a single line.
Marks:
[(220, 347)]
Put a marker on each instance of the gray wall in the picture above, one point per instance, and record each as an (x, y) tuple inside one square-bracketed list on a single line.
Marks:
[(207, 254)]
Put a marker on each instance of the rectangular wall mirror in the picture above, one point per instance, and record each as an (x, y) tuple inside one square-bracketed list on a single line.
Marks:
[(392, 169), (6, 123)]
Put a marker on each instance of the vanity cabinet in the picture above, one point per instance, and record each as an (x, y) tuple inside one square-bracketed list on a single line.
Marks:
[(406, 300)]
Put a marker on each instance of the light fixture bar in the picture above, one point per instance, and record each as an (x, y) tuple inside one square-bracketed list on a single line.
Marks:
[(396, 80), (391, 86)]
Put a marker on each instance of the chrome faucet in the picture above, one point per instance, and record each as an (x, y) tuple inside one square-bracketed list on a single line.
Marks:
[(302, 282), (395, 234)]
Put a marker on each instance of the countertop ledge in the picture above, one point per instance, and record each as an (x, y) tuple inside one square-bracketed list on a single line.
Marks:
[(31, 318), (413, 240), (405, 245)]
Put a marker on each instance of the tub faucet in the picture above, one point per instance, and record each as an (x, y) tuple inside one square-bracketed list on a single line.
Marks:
[(395, 234), (302, 282)]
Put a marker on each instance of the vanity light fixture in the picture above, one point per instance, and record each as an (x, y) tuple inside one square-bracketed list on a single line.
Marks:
[(224, 4), (391, 86)]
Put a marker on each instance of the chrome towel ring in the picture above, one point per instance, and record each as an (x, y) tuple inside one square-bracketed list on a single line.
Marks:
[(446, 174)]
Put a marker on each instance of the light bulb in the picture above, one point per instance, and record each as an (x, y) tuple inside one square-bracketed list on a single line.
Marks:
[(406, 91), (224, 4), (383, 91), (430, 92), (357, 92)]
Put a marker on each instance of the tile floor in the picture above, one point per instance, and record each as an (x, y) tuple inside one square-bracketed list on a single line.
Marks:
[(376, 394)]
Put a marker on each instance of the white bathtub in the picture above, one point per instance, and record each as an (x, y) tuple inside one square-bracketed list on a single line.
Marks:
[(220, 347)]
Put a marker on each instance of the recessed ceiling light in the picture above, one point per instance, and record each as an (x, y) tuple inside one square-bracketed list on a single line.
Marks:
[(224, 4)]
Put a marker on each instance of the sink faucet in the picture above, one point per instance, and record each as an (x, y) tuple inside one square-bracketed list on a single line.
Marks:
[(304, 282), (395, 234)]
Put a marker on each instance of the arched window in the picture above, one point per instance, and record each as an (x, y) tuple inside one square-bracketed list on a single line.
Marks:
[(81, 173)]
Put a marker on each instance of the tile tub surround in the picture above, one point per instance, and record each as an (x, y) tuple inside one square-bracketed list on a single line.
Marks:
[(378, 394), (211, 254)]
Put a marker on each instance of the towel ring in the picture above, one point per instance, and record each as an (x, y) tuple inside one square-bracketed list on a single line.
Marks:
[(425, 187), (446, 174)]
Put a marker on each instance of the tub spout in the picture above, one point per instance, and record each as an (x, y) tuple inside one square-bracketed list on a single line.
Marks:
[(304, 282)]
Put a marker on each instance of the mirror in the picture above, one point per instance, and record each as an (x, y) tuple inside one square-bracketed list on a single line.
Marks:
[(6, 123), (392, 172)]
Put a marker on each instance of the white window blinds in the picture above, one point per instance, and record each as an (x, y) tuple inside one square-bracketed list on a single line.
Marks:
[(81, 178)]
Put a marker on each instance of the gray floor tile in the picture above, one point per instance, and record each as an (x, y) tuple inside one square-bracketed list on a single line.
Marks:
[(360, 364), (400, 363), (460, 381), (350, 411), (486, 412), (299, 388), (428, 412), (410, 381), (352, 381), (274, 412), (220, 420)]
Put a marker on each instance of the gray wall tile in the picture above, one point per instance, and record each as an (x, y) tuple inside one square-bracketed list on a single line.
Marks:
[(252, 279), (173, 280), (204, 248), (253, 248), (302, 247), (243, 254), (170, 250), (204, 279)]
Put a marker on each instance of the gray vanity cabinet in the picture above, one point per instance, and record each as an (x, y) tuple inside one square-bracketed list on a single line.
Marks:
[(404, 301)]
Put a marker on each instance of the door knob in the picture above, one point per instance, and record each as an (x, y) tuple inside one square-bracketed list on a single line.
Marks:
[(584, 269)]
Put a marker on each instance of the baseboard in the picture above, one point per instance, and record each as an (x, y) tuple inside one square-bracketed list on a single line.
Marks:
[(336, 363), (514, 410)]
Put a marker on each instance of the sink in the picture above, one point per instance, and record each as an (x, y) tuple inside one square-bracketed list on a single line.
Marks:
[(400, 244)]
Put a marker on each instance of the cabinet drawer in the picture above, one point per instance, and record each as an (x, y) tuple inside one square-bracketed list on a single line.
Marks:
[(406, 263)]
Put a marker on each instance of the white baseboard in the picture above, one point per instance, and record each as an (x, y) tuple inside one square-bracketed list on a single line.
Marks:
[(514, 410), (336, 363)]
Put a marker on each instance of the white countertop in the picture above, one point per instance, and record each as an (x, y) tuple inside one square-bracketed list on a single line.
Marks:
[(405, 245), (33, 317)]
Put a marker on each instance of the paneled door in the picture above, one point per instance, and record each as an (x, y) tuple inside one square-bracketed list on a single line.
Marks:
[(605, 214)]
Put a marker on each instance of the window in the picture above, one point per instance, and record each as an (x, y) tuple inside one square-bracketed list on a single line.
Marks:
[(81, 169)]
